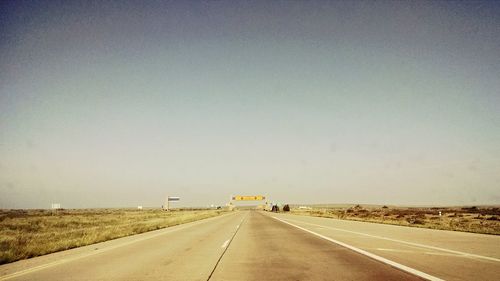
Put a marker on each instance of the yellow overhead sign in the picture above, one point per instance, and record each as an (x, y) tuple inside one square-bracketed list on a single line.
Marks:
[(249, 198)]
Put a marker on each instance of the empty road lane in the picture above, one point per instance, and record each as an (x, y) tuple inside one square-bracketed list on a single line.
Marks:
[(449, 255), (184, 252), (266, 249), (244, 245)]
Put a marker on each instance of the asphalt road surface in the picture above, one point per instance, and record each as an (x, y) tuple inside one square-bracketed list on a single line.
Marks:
[(448, 255), (252, 245)]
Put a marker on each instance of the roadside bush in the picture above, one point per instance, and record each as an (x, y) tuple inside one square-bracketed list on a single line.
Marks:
[(286, 208), (415, 220), (418, 221)]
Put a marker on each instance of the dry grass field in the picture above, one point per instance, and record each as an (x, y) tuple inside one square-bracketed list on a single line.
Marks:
[(30, 233), (470, 219)]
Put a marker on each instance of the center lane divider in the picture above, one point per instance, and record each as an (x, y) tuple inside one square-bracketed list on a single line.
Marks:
[(226, 246)]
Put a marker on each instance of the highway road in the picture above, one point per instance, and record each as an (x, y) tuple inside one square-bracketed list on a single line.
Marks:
[(447, 255), (253, 245)]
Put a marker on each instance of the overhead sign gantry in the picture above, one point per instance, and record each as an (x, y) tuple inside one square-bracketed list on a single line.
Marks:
[(248, 198)]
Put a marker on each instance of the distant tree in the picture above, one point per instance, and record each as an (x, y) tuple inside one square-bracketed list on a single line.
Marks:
[(286, 208)]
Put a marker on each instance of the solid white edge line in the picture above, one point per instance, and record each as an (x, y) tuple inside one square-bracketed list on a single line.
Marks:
[(405, 242), (163, 231), (373, 256)]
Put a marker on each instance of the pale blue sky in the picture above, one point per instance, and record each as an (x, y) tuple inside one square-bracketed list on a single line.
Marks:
[(106, 104)]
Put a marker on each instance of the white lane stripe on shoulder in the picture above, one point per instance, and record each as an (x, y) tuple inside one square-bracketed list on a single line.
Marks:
[(375, 257), (464, 254)]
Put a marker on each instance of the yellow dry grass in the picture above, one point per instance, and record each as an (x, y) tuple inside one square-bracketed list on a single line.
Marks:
[(484, 220), (30, 233)]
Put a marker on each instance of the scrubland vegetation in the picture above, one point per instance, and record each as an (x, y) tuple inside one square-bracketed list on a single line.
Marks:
[(470, 219), (29, 233)]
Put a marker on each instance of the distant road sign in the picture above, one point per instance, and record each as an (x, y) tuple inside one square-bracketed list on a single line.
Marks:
[(249, 198), (170, 198)]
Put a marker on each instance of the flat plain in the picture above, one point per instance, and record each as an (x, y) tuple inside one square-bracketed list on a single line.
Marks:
[(258, 245), (482, 219), (29, 233)]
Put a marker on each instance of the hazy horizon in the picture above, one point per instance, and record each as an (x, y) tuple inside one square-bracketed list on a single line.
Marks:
[(111, 104)]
